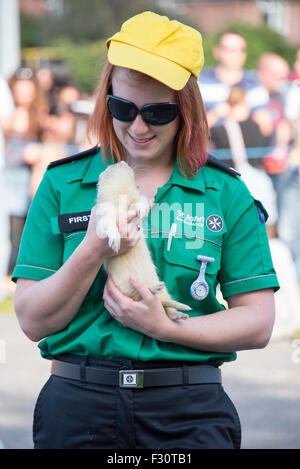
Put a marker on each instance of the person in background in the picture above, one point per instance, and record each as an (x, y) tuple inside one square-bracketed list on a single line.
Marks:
[(52, 77), (23, 126), (216, 82), (46, 81), (59, 126), (64, 98), (292, 111), (295, 72), (6, 109), (67, 95), (246, 146), (82, 109), (31, 107), (57, 141), (239, 111), (273, 71)]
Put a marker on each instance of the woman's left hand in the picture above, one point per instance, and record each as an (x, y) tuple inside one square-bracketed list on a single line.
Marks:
[(147, 315)]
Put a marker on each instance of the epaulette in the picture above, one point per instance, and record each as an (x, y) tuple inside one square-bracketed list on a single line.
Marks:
[(216, 163), (76, 157)]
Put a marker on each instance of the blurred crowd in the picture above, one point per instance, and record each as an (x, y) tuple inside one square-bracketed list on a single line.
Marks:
[(254, 120), (43, 117)]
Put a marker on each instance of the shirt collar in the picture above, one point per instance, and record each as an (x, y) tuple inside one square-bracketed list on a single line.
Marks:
[(97, 166), (89, 173), (196, 182)]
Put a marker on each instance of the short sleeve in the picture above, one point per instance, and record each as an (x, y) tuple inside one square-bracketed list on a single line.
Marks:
[(41, 251), (246, 263)]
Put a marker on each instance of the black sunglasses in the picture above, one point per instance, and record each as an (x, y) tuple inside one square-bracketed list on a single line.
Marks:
[(153, 114)]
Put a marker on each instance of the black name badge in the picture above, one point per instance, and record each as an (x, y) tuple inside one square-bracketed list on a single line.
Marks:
[(69, 222)]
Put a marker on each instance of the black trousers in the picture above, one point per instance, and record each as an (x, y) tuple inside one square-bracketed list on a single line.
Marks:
[(73, 414)]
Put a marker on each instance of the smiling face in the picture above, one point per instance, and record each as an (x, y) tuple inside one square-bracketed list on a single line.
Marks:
[(144, 142)]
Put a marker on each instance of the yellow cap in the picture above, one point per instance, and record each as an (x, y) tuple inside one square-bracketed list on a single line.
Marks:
[(168, 51)]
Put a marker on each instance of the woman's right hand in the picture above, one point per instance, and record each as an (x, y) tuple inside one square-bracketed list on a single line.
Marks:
[(129, 229)]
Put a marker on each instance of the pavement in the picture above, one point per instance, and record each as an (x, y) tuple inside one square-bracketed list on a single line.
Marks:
[(263, 384)]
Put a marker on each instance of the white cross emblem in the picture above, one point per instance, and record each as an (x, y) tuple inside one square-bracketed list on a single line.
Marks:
[(214, 223)]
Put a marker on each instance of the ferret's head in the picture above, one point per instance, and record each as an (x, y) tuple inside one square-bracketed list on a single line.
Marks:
[(119, 173), (117, 179)]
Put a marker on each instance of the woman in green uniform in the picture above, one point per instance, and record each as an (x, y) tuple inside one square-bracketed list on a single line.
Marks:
[(123, 374)]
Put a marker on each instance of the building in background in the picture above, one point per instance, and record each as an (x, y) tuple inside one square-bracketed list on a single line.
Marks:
[(283, 16), (40, 8)]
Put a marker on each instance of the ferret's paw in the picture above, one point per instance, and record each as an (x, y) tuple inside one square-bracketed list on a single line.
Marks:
[(114, 240), (158, 288), (103, 230), (175, 315), (99, 230), (142, 207)]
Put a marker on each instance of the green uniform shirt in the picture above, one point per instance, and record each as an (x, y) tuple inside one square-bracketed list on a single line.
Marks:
[(212, 214)]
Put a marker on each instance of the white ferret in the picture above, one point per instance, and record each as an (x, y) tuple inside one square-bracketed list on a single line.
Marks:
[(116, 186)]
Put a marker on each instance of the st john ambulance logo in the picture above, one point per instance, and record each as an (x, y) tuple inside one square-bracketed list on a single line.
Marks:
[(214, 223), (129, 379)]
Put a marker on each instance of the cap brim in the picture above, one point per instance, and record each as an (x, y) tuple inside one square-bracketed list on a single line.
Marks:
[(170, 73)]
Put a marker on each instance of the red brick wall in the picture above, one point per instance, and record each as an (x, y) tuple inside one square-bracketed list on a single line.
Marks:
[(33, 7), (211, 16)]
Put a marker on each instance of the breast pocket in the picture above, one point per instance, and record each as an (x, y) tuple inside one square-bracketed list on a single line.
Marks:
[(181, 268)]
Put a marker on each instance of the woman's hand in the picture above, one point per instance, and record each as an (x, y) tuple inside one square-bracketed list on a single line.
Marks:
[(147, 315), (129, 227), (247, 324), (99, 247)]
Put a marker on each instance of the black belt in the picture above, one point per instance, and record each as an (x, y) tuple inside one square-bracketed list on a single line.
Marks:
[(129, 378)]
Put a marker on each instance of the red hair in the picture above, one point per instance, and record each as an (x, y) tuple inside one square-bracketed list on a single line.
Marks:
[(192, 136)]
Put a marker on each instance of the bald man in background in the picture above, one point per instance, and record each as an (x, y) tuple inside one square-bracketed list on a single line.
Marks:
[(273, 71), (216, 82)]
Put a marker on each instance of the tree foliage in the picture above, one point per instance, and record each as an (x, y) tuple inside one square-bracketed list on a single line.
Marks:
[(78, 36), (82, 21)]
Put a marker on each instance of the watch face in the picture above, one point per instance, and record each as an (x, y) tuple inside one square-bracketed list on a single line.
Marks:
[(199, 290)]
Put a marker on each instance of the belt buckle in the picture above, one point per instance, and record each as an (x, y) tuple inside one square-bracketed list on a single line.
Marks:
[(131, 378)]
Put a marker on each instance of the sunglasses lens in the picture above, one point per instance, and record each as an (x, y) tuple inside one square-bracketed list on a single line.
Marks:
[(153, 114), (121, 109), (160, 114)]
